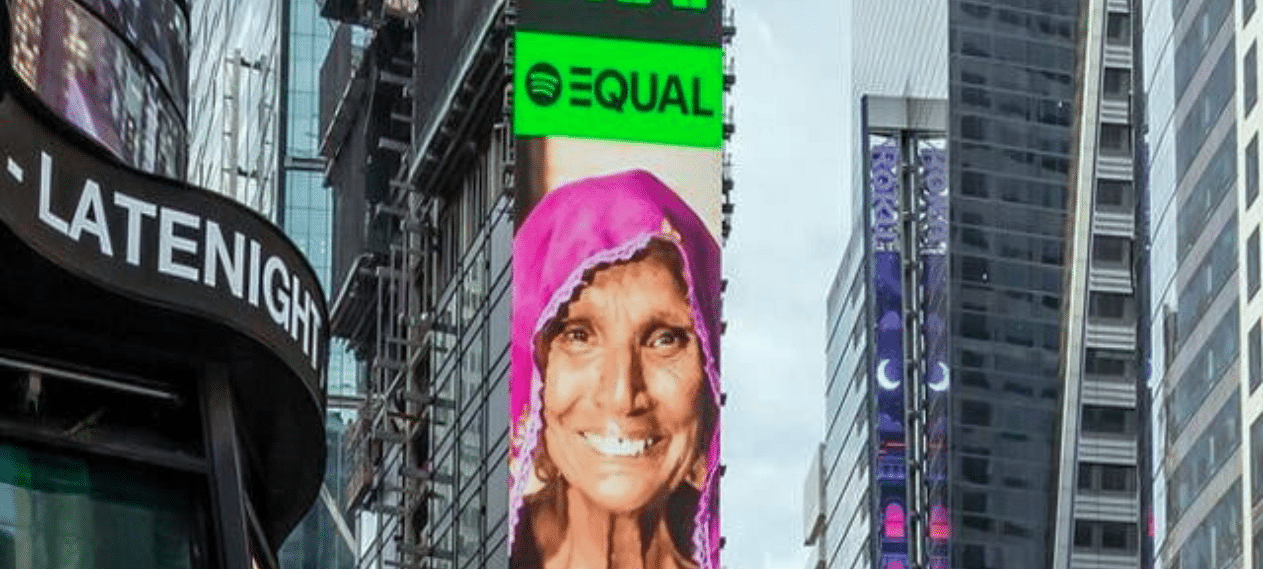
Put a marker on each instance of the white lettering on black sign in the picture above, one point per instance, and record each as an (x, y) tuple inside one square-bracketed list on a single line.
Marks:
[(188, 247)]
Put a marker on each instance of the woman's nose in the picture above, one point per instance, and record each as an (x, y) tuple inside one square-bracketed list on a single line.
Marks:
[(622, 385)]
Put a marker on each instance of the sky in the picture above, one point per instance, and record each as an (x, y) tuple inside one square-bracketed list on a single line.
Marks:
[(786, 243)]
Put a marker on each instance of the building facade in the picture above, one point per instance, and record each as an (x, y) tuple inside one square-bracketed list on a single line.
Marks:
[(1203, 259), (420, 161), (1015, 431), (235, 87), (1102, 496), (255, 80)]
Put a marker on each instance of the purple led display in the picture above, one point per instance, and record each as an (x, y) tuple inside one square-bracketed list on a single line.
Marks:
[(890, 468), (90, 76), (933, 217)]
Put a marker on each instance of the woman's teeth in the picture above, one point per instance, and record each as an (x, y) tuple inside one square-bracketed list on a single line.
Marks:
[(618, 446)]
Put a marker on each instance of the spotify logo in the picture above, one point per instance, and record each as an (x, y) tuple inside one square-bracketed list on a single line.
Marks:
[(543, 84), (618, 91)]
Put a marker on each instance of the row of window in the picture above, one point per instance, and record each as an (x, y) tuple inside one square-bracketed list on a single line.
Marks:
[(1217, 540), (1201, 201), (1207, 280), (1205, 111), (1204, 459), (1203, 372), (1191, 49)]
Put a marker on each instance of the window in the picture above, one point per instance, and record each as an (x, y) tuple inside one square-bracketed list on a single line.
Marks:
[(1217, 539), (1106, 537), (1250, 77), (1116, 478), (1118, 28), (1114, 194), (1209, 278), (1099, 477), (974, 502), (1206, 455), (1115, 364), (1208, 365), (1117, 82), (975, 470), (1256, 354), (1252, 171), (1204, 111), (1116, 138), (1252, 263), (1111, 249), (1109, 420), (975, 413), (1118, 536), (1256, 454), (1083, 534), (1110, 305), (129, 517)]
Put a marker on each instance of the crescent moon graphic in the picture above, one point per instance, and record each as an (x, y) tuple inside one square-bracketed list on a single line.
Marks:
[(883, 379), (944, 378)]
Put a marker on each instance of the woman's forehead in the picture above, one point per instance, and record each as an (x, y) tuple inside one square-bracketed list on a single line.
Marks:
[(646, 280)]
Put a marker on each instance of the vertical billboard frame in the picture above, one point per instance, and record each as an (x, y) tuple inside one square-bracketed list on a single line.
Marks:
[(615, 388), (883, 172), (935, 366), (906, 221)]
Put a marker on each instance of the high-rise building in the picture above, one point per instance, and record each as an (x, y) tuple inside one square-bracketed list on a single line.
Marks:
[(949, 349), (255, 111), (1101, 495), (413, 126), (234, 98), (1200, 87)]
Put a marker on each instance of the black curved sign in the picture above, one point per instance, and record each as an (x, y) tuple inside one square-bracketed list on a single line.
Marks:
[(160, 241)]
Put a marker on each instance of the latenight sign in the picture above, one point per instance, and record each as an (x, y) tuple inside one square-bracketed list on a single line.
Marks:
[(181, 248)]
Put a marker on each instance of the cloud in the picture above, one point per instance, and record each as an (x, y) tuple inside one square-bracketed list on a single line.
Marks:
[(786, 244)]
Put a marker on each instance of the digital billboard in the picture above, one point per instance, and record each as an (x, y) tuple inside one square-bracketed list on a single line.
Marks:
[(890, 454), (615, 389), (124, 92), (932, 226)]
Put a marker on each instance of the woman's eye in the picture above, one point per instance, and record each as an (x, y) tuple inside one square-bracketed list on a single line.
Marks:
[(575, 335), (670, 338)]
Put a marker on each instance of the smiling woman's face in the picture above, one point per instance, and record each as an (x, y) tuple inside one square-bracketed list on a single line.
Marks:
[(623, 386)]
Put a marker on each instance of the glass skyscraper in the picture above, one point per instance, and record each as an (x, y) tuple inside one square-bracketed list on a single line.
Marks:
[(989, 438), (1012, 93), (255, 136), (234, 98), (1200, 74)]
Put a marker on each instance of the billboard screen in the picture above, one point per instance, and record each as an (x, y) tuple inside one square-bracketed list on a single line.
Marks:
[(890, 454), (615, 389), (933, 216), (117, 93)]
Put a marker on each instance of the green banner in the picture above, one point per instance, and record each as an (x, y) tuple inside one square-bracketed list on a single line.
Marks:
[(617, 89)]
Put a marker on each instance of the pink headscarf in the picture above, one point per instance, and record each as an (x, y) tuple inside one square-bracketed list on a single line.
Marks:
[(573, 229)]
